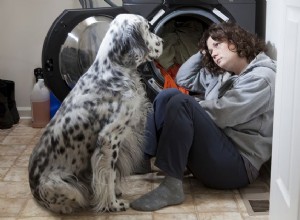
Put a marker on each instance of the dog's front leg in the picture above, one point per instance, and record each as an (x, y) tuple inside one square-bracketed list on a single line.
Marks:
[(104, 176)]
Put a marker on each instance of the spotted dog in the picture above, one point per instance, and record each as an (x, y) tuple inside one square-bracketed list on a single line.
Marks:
[(95, 137)]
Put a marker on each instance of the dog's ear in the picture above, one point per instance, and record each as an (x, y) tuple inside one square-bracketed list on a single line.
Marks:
[(129, 47)]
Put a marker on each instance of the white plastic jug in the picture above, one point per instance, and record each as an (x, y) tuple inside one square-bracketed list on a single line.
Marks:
[(40, 104)]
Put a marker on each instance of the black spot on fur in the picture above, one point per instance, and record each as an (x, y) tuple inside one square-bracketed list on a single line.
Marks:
[(117, 74), (66, 139), (54, 142), (97, 63), (67, 120), (88, 104), (82, 83), (76, 126), (71, 130), (79, 137), (46, 142), (85, 125), (96, 68), (62, 150), (86, 91), (114, 154), (88, 145)]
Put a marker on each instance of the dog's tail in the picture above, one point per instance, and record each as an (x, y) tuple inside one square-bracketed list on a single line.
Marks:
[(61, 192)]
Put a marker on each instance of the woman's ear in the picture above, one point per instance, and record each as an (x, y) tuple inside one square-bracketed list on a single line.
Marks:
[(231, 46)]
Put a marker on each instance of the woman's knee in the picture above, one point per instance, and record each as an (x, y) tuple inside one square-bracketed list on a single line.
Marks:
[(166, 94), (184, 100)]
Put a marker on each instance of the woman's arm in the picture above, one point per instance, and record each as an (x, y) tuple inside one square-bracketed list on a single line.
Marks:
[(249, 98), (190, 74)]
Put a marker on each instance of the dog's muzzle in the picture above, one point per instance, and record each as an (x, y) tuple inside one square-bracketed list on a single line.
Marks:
[(157, 48)]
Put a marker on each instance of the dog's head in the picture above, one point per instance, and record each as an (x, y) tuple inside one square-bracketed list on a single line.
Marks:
[(131, 42)]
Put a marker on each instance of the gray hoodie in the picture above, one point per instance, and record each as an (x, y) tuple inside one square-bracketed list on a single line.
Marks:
[(242, 106)]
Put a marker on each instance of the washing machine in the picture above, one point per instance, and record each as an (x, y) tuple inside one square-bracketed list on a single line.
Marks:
[(72, 41)]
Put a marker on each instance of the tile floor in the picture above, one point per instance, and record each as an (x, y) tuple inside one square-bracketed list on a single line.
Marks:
[(16, 201)]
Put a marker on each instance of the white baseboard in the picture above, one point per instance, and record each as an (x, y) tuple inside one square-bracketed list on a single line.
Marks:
[(24, 112)]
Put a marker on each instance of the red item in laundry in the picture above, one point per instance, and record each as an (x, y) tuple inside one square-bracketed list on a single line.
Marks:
[(169, 77)]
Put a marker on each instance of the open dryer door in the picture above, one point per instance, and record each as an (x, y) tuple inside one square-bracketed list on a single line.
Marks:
[(71, 46)]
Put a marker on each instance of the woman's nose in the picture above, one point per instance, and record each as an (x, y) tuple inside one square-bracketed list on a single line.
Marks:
[(213, 54)]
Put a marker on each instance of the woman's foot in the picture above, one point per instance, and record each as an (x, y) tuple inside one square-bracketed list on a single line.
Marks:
[(169, 192)]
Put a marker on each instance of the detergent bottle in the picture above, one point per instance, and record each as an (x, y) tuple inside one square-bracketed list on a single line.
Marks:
[(40, 104)]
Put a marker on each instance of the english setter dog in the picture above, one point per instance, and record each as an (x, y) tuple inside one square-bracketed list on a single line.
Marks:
[(95, 137)]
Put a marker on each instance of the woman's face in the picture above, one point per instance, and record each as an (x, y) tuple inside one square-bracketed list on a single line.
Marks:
[(223, 54)]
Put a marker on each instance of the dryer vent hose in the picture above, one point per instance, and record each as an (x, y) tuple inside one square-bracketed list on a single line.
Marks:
[(86, 3), (93, 3)]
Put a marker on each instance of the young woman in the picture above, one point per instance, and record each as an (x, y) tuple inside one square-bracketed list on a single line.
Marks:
[(224, 136)]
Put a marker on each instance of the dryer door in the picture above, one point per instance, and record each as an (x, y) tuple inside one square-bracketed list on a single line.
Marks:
[(71, 45)]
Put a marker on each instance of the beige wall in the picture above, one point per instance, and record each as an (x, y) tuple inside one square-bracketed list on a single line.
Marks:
[(23, 27)]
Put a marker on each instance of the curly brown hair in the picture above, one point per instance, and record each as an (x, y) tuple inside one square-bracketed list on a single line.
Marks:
[(247, 44)]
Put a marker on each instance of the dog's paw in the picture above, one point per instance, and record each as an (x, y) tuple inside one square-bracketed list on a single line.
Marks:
[(118, 192), (118, 205)]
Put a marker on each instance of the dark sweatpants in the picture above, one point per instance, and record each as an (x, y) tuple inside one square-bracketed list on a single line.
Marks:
[(181, 134)]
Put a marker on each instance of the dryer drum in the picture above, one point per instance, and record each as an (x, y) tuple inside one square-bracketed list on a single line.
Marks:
[(181, 31)]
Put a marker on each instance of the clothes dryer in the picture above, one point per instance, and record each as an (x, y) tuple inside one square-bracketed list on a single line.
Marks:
[(73, 40)]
